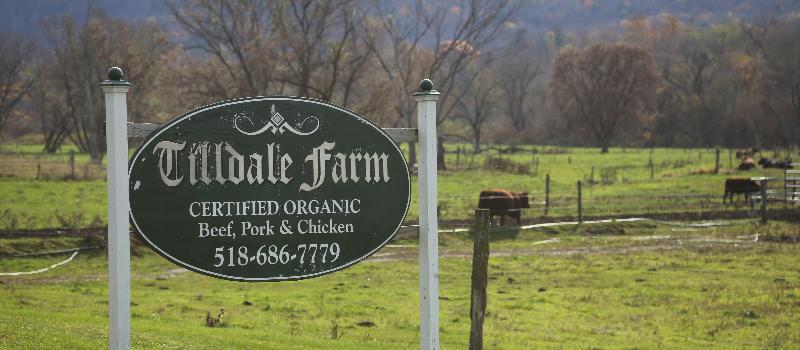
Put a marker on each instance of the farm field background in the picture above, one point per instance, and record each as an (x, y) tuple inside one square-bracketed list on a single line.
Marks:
[(620, 126), (619, 285), (683, 181)]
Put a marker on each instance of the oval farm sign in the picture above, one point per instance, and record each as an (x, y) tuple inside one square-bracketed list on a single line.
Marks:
[(268, 189)]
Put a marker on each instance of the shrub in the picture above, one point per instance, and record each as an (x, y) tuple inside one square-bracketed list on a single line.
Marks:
[(506, 166), (608, 176), (214, 321)]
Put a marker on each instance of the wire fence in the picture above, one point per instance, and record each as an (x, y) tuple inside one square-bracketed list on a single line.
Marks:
[(545, 201), (50, 167), (560, 205)]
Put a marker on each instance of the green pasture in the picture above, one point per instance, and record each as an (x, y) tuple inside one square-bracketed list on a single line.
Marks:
[(682, 181), (608, 286)]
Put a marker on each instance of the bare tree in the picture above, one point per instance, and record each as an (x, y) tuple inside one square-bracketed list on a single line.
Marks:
[(81, 54), (16, 56), (306, 48), (776, 43), (236, 36), (77, 73), (520, 67), (435, 40), (53, 105), (479, 102), (689, 73), (604, 89), (701, 90), (318, 46)]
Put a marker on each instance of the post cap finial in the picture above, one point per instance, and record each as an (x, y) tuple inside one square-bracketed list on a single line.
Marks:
[(115, 74), (425, 85)]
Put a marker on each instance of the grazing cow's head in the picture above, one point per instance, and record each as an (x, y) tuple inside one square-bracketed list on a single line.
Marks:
[(763, 161), (523, 200)]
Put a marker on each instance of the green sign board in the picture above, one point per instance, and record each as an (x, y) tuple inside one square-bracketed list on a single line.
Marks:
[(268, 189)]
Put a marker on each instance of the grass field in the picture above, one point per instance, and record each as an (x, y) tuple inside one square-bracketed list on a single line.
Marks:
[(635, 285), (682, 181), (607, 286)]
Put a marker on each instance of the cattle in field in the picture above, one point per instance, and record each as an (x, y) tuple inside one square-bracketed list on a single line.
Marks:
[(503, 202), (747, 163), (780, 164), (743, 186)]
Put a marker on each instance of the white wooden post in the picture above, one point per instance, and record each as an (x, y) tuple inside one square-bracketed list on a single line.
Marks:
[(426, 99), (119, 258)]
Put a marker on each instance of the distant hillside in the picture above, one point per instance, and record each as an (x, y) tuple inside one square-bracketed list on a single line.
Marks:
[(582, 15), (26, 15), (536, 15)]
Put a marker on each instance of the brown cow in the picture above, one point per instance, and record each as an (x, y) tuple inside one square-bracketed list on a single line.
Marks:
[(503, 202), (747, 163), (738, 185)]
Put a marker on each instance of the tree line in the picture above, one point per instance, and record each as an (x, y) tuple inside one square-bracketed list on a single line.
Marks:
[(652, 81)]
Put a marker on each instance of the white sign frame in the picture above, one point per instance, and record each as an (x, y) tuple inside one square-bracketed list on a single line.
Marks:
[(117, 132)]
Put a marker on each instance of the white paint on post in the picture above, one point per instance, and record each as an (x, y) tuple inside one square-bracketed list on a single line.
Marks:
[(119, 260), (426, 99)]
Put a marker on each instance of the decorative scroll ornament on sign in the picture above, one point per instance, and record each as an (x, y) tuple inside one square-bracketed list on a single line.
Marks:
[(276, 124)]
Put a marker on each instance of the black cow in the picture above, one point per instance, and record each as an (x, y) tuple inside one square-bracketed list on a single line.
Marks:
[(740, 186), (780, 164)]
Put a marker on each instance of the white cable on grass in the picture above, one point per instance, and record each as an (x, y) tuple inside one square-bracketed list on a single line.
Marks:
[(40, 270), (551, 240), (702, 224), (605, 221), (550, 224)]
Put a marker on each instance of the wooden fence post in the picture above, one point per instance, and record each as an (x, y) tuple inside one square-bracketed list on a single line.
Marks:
[(763, 200), (580, 204), (591, 178), (458, 156), (652, 170), (38, 170), (480, 267), (730, 158), (546, 194), (716, 164), (72, 164)]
